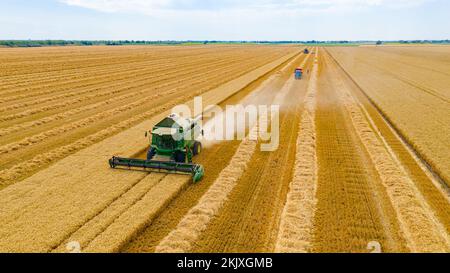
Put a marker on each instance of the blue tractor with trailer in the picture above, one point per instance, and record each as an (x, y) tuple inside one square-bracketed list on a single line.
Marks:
[(298, 73)]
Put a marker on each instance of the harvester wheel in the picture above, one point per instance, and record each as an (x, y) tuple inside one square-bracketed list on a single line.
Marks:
[(151, 153), (197, 148)]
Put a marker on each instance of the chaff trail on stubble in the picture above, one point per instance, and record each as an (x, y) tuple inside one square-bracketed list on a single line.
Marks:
[(295, 230)]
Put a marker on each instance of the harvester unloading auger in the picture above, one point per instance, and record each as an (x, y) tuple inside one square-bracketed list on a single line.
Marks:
[(173, 146)]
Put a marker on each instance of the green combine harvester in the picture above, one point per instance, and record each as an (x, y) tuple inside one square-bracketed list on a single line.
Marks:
[(173, 146)]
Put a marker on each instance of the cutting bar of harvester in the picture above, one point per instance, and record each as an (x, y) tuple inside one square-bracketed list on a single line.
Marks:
[(195, 170)]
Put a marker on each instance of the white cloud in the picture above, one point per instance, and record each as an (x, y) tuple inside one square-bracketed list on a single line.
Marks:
[(155, 7)]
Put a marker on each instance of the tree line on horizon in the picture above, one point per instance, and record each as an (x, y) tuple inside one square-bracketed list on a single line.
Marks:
[(43, 43)]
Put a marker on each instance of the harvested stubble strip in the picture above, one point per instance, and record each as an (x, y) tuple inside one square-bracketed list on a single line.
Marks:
[(295, 231), (141, 214), (97, 225), (422, 230), (197, 219)]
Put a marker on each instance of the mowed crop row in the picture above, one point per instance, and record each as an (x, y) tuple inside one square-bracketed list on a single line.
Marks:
[(54, 131), (420, 112)]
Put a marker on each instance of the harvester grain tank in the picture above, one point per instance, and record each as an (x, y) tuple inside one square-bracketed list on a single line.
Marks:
[(173, 144)]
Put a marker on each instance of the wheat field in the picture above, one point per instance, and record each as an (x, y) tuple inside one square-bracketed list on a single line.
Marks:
[(363, 154)]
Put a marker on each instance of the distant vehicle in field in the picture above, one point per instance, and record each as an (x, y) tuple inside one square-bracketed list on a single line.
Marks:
[(298, 73), (306, 51)]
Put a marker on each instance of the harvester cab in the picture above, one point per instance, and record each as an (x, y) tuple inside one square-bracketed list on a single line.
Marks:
[(175, 139), (298, 73), (173, 144)]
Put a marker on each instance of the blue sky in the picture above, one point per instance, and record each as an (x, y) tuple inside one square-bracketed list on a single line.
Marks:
[(225, 19)]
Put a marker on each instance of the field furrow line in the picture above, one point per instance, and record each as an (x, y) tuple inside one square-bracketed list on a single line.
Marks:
[(422, 231), (295, 230)]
